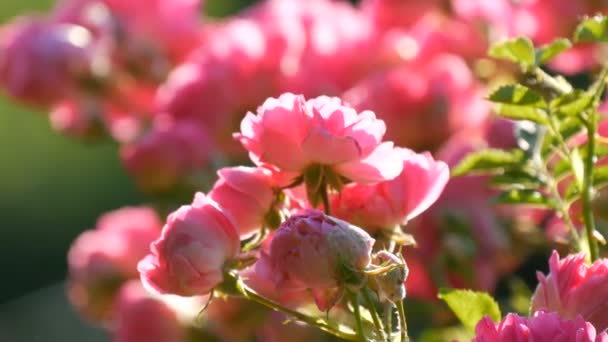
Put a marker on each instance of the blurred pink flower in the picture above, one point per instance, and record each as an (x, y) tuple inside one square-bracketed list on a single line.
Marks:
[(541, 327), (101, 260), (143, 318), (171, 28), (425, 102), (322, 131), (314, 251), (573, 288), (167, 155), (41, 62), (189, 257), (388, 204)]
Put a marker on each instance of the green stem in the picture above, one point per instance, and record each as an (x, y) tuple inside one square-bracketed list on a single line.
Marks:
[(314, 321), (372, 309), (588, 187), (402, 322), (388, 319), (354, 299)]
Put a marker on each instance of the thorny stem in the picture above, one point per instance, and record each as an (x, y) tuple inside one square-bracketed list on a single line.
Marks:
[(358, 321), (372, 309), (402, 322), (320, 323)]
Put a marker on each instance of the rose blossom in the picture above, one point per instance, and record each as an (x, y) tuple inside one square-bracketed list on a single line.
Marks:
[(101, 260), (166, 155), (189, 257), (541, 327), (41, 61), (394, 202), (294, 134), (141, 317), (574, 288), (247, 194), (314, 251)]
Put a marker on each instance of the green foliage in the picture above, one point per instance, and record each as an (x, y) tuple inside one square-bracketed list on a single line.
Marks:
[(526, 196), (517, 94), (518, 50), (521, 50), (520, 103), (489, 161), (470, 306), (547, 52), (593, 29)]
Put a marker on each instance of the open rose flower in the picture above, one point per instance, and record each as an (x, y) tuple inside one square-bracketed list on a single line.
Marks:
[(388, 204), (574, 288), (294, 135), (189, 257), (314, 251), (541, 327)]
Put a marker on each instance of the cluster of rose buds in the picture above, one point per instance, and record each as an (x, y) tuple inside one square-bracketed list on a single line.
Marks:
[(342, 207)]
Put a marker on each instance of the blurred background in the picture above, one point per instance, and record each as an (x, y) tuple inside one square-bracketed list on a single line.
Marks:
[(51, 189)]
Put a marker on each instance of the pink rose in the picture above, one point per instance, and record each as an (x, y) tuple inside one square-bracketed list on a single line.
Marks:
[(40, 61), (167, 155), (391, 203), (190, 256), (424, 102), (248, 194), (294, 134), (142, 318), (574, 288), (314, 251), (541, 327), (101, 260)]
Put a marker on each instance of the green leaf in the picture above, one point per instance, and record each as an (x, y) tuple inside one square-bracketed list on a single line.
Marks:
[(488, 161), (547, 52), (593, 29), (577, 167), (470, 306), (518, 50), (522, 113), (600, 180), (516, 179), (572, 104), (520, 103), (527, 197), (516, 94)]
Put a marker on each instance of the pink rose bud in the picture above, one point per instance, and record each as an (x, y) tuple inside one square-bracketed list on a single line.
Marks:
[(101, 260), (574, 288), (247, 194), (541, 327), (167, 155), (294, 134), (190, 256), (391, 203), (314, 251), (142, 318), (41, 62)]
